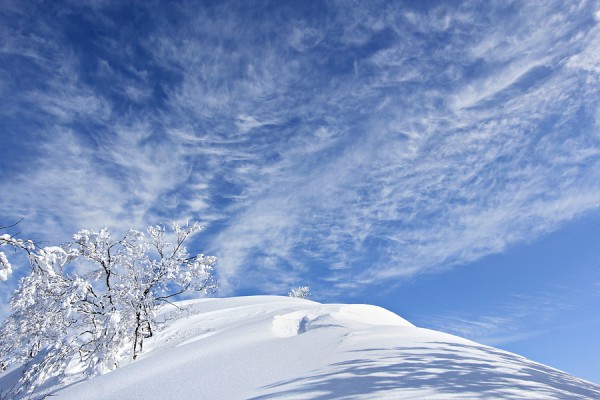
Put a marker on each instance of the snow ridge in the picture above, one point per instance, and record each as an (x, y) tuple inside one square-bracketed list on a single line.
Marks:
[(269, 347)]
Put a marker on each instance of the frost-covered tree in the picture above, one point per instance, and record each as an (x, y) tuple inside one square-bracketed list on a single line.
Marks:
[(301, 292), (91, 303)]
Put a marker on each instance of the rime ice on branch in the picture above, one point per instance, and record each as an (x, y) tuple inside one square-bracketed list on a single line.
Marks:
[(11, 241)]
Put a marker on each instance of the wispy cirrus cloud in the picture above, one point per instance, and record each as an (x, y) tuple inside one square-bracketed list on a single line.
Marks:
[(520, 317), (356, 144)]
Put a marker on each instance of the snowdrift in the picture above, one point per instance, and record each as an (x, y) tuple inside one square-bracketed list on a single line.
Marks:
[(268, 347)]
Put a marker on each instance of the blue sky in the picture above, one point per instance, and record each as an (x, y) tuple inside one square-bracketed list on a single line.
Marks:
[(441, 160)]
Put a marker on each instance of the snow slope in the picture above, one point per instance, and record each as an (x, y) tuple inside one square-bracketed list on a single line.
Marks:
[(267, 347)]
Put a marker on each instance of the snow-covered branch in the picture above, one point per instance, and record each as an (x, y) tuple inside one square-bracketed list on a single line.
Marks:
[(7, 240)]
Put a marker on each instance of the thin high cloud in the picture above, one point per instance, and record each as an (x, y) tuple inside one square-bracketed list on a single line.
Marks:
[(356, 144), (447, 185), (521, 317)]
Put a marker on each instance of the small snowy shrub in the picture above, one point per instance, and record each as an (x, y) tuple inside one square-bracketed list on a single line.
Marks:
[(301, 292)]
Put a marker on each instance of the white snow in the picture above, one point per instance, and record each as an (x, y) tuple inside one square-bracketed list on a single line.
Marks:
[(268, 347)]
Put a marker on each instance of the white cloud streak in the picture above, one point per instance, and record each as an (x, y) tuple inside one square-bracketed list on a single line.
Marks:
[(367, 144), (520, 318)]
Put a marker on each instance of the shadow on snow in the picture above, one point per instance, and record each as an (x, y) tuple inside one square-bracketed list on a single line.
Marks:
[(449, 368)]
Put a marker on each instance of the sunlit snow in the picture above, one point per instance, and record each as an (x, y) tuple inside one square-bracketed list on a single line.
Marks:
[(268, 347)]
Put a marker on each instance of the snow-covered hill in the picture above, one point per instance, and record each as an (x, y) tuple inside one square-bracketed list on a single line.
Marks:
[(267, 347)]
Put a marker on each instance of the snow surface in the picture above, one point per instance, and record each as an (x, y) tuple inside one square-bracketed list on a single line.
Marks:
[(268, 347)]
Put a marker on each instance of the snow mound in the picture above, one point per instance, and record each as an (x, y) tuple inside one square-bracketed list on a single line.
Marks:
[(267, 347), (298, 322)]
